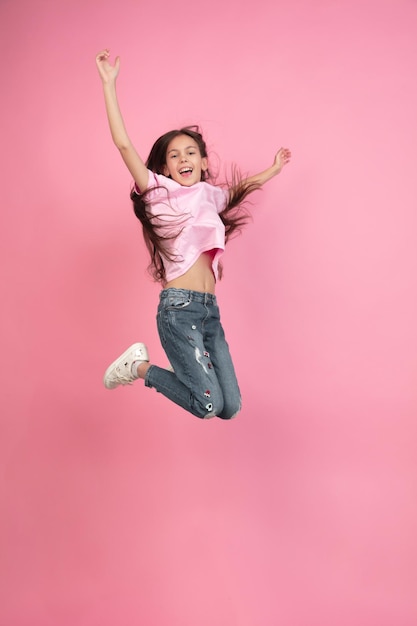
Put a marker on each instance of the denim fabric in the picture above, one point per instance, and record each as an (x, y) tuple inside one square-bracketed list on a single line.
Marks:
[(204, 380)]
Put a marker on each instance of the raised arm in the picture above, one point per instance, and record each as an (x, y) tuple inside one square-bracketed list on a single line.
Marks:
[(282, 157), (108, 74)]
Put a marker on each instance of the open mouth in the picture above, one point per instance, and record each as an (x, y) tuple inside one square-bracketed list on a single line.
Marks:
[(186, 171)]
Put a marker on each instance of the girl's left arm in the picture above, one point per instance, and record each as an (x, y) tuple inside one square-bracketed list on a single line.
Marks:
[(282, 157)]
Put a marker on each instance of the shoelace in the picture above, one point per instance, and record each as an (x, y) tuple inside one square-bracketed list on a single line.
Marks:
[(123, 379)]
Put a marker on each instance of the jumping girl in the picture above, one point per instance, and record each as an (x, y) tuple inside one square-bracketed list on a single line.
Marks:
[(186, 223)]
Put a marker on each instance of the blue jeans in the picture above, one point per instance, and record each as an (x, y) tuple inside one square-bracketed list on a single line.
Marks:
[(204, 380)]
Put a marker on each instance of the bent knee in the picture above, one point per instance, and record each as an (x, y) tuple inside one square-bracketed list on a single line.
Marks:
[(231, 411), (217, 407)]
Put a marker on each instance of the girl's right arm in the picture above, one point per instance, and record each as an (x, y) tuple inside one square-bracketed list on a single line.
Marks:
[(108, 74)]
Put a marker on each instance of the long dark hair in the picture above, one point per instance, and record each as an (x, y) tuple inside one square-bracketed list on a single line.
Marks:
[(234, 216)]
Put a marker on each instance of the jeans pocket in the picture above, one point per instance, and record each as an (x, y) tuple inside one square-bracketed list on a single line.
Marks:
[(177, 302)]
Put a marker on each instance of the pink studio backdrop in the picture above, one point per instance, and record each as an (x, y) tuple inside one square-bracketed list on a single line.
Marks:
[(118, 507)]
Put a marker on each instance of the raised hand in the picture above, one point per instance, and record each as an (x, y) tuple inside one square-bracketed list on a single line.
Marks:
[(107, 71), (282, 157)]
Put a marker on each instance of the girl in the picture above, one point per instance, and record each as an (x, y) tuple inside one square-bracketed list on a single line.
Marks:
[(186, 222)]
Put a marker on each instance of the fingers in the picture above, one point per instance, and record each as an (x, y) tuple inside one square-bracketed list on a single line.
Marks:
[(284, 154), (103, 54), (282, 157), (107, 71)]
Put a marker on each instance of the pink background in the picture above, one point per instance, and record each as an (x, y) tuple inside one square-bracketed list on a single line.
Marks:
[(118, 507)]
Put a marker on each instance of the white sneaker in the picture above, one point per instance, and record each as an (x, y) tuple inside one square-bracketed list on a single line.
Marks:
[(120, 371)]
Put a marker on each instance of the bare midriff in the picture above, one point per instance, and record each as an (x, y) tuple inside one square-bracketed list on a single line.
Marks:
[(199, 277)]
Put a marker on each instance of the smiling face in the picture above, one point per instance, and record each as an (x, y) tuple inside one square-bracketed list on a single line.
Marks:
[(184, 162)]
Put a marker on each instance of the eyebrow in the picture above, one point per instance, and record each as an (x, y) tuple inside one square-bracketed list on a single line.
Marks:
[(187, 148)]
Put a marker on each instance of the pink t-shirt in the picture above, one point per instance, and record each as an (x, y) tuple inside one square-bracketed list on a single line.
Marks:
[(191, 213)]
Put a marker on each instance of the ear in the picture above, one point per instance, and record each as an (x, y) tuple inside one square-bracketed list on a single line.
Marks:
[(204, 164), (165, 171)]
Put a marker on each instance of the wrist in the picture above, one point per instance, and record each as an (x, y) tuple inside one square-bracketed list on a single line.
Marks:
[(108, 83)]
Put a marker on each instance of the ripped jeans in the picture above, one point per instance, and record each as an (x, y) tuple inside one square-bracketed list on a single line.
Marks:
[(203, 381)]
